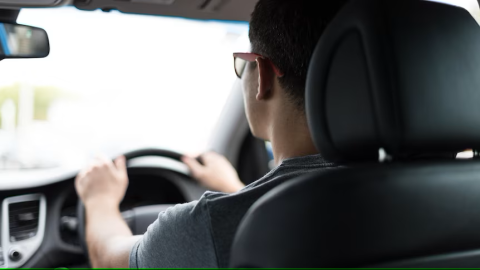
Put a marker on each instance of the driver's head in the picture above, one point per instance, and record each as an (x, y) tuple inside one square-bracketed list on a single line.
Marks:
[(285, 33)]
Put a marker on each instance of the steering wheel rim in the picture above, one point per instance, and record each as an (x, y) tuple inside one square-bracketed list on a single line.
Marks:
[(128, 156)]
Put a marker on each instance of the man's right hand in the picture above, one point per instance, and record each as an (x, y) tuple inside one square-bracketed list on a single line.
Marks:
[(104, 182), (216, 173)]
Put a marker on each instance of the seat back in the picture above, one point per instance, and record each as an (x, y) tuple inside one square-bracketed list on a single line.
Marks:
[(389, 79), (410, 215)]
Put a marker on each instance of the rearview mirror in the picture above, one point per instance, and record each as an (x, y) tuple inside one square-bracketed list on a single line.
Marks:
[(22, 41)]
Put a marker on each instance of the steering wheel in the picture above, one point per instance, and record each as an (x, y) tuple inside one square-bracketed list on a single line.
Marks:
[(139, 218)]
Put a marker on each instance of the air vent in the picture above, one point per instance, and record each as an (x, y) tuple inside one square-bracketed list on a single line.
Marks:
[(23, 220)]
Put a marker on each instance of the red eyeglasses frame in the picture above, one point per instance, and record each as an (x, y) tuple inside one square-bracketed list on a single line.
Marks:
[(252, 57)]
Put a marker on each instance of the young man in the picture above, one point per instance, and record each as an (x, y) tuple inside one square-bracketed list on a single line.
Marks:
[(283, 35)]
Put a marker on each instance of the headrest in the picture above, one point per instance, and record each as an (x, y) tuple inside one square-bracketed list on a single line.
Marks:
[(398, 75)]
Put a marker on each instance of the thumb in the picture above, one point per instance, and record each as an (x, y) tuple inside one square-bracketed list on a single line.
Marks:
[(195, 167), (121, 165)]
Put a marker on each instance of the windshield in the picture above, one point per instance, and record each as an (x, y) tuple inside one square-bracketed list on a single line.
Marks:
[(114, 82)]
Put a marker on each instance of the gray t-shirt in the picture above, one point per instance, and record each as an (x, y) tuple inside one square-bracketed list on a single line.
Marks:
[(199, 234)]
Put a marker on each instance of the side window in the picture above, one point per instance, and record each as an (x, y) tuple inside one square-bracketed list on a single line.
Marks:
[(253, 160), (470, 5), (468, 154)]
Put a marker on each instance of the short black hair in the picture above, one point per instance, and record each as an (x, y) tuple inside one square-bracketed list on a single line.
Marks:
[(287, 32)]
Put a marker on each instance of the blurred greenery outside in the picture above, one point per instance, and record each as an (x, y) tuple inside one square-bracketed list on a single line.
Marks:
[(44, 96)]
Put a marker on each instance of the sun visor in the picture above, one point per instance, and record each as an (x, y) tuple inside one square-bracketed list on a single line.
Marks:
[(230, 10), (16, 4)]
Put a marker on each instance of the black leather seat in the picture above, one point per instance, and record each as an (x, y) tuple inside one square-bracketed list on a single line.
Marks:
[(389, 79)]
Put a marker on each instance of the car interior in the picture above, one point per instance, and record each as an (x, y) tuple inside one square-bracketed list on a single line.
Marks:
[(392, 97)]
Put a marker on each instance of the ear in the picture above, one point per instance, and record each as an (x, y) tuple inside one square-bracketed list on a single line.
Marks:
[(265, 79)]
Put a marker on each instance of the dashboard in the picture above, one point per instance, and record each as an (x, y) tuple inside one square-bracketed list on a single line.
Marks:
[(39, 224)]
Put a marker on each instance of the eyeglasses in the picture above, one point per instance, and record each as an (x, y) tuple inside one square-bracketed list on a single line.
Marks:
[(240, 62)]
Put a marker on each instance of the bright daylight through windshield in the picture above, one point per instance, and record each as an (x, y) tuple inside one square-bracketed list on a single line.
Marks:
[(114, 82)]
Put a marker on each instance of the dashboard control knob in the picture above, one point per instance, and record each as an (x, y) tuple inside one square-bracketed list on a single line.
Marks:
[(15, 255)]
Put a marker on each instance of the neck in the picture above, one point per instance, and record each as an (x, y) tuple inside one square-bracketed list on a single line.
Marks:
[(290, 137)]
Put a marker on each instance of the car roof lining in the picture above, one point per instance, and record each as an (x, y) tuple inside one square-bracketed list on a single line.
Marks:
[(225, 10), (230, 10)]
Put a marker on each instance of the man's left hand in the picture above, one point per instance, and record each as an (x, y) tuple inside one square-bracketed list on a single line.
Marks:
[(104, 182)]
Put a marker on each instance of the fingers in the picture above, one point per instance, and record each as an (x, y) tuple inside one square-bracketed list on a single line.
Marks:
[(102, 160), (212, 157), (121, 165), (209, 155), (77, 182), (195, 167)]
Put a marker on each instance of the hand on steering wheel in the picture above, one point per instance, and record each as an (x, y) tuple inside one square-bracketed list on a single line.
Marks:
[(103, 183), (117, 176), (216, 172)]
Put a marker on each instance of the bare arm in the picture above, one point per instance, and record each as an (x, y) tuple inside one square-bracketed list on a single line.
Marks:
[(109, 239), (101, 188)]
